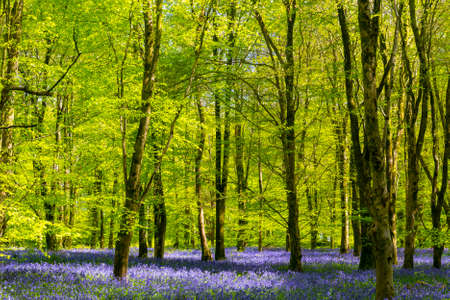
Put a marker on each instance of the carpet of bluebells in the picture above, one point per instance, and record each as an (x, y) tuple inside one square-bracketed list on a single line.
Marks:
[(86, 274)]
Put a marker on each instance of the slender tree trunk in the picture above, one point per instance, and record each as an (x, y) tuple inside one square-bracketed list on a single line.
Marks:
[(261, 195), (390, 139), (152, 38), (223, 144), (102, 230), (332, 207), (341, 160), (311, 196), (150, 231), (159, 209), (13, 11), (96, 211), (415, 142), (356, 225), (436, 206), (288, 138), (143, 223), (206, 253), (113, 212), (363, 178), (240, 185), (72, 207), (94, 227)]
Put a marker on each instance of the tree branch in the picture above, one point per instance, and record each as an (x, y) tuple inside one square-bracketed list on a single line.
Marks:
[(48, 92), (18, 126)]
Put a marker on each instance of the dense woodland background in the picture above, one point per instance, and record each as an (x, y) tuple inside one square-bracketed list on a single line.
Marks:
[(256, 116)]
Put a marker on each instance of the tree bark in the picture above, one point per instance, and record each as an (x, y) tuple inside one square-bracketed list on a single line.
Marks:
[(311, 196), (11, 40), (363, 178), (159, 210), (152, 39), (143, 222), (356, 225), (288, 138), (341, 161), (206, 253), (368, 19), (223, 144), (287, 109), (241, 184), (113, 212), (438, 195), (415, 141), (260, 196), (102, 230)]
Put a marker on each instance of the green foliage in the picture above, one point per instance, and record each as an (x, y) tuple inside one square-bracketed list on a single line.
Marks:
[(109, 34)]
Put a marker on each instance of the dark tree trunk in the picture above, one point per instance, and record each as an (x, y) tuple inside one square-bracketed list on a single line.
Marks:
[(93, 242), (143, 250), (295, 262), (311, 196), (415, 142), (223, 144), (438, 196), (356, 225), (332, 207), (288, 241), (363, 179), (150, 231), (287, 109), (96, 212), (13, 11), (241, 184), (102, 230), (368, 19), (159, 209), (113, 212), (261, 195), (341, 161), (72, 208), (152, 38)]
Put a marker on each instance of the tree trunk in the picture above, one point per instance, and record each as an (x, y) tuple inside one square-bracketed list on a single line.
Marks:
[(367, 260), (261, 195), (12, 37), (68, 184), (288, 138), (152, 39), (143, 250), (368, 19), (311, 196), (159, 209), (240, 185), (113, 212), (206, 253), (415, 142), (439, 195), (96, 212), (356, 225), (341, 161), (223, 144), (102, 230)]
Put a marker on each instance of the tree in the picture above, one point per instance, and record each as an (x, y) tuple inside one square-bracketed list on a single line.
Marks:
[(287, 106), (369, 22), (152, 13), (359, 156)]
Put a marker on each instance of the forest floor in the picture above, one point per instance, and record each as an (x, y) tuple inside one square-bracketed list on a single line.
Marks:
[(86, 274)]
